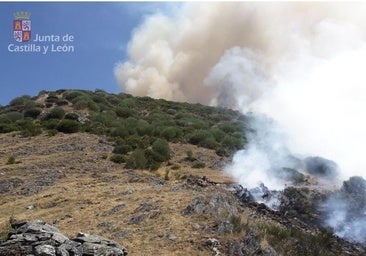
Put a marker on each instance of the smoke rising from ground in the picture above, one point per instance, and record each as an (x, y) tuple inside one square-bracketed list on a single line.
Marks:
[(301, 64)]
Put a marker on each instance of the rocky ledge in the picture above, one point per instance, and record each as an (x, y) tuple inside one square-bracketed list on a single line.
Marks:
[(37, 238)]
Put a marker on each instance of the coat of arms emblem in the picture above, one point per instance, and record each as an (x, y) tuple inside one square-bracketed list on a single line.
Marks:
[(22, 26)]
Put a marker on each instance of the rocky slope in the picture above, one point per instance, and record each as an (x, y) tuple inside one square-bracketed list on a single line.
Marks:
[(68, 181), (40, 239), (148, 174)]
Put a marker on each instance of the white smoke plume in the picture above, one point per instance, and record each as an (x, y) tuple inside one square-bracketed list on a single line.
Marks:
[(301, 64)]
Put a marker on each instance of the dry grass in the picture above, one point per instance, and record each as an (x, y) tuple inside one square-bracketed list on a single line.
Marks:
[(82, 199)]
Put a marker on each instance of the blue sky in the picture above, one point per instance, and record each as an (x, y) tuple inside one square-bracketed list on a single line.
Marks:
[(101, 30)]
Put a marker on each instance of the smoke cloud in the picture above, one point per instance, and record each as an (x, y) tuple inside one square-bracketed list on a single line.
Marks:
[(301, 64)]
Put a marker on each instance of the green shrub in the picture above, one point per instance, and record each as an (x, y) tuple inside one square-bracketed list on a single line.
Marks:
[(198, 165), (162, 149), (92, 106), (29, 128), (14, 116), (11, 160), (209, 143), (62, 102), (70, 95), (125, 112), (217, 134), (153, 160), (117, 158), (199, 136), (227, 128), (190, 156), (52, 99), (5, 128), (122, 149), (33, 112), (166, 175), (81, 104), (232, 143), (52, 132), (94, 128), (128, 103), (68, 126), (136, 141), (72, 116), (56, 113), (137, 160), (50, 124), (49, 105), (143, 128), (169, 133), (176, 166), (20, 101), (120, 131)]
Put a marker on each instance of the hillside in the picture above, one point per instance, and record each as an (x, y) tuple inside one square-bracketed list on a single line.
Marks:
[(147, 174)]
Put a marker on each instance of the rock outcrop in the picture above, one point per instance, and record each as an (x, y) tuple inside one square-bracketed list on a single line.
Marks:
[(37, 238)]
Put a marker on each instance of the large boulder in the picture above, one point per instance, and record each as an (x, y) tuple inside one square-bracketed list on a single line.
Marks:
[(37, 238)]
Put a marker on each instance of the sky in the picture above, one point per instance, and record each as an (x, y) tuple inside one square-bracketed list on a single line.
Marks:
[(101, 32)]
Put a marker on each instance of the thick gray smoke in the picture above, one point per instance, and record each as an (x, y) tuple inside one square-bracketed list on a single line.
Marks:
[(301, 64), (346, 210)]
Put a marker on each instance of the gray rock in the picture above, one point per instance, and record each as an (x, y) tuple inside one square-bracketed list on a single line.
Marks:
[(172, 237), (44, 250), (225, 227), (250, 246), (129, 192), (8, 185), (37, 238), (59, 238)]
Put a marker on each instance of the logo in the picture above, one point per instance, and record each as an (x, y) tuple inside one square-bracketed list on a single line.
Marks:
[(22, 27)]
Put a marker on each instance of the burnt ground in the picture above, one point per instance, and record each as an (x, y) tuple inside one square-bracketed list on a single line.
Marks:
[(68, 181)]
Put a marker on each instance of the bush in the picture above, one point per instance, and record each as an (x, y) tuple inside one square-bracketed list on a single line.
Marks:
[(29, 128), (199, 136), (62, 102), (52, 99), (137, 160), (52, 132), (125, 112), (81, 104), (72, 116), (11, 160), (20, 101), (161, 148), (175, 166), (190, 156), (209, 143), (166, 175), (117, 158), (56, 113), (70, 95), (198, 165), (50, 124), (33, 112), (169, 133), (5, 128), (14, 116), (92, 106), (122, 149), (120, 131), (68, 126)]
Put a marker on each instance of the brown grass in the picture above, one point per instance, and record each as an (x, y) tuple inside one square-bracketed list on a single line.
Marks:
[(81, 200)]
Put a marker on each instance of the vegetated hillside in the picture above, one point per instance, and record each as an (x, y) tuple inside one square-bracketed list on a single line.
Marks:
[(147, 174), (139, 126)]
